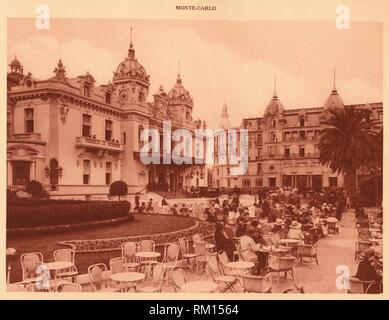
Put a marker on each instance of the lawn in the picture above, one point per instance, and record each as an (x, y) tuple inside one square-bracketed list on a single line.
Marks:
[(47, 243)]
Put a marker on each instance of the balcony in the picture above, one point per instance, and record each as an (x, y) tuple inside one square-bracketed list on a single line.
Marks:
[(96, 144), (297, 155), (29, 137)]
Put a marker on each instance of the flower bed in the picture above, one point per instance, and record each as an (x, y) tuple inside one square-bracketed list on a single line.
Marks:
[(28, 213), (160, 239)]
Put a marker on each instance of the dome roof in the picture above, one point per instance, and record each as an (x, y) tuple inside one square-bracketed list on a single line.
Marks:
[(178, 94), (131, 69), (274, 106), (15, 64), (334, 100)]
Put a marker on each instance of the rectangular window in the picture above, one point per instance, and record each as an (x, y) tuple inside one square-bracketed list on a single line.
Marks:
[(302, 135), (20, 172), (258, 182), (287, 152), (333, 181), (87, 90), (259, 168), (302, 151), (86, 172), (29, 120), (302, 122), (246, 183), (108, 130), (108, 96), (86, 125), (228, 183), (124, 138), (108, 173)]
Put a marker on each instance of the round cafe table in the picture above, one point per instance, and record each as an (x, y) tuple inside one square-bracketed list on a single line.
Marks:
[(199, 286), (147, 258), (58, 265), (127, 277)]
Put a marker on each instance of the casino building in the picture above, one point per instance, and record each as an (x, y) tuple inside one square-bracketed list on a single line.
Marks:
[(283, 147), (76, 137)]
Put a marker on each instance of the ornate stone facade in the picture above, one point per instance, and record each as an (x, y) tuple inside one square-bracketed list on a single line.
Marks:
[(77, 137)]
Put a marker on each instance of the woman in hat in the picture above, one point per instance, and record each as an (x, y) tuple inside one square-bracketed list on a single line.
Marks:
[(366, 271), (277, 225), (295, 231)]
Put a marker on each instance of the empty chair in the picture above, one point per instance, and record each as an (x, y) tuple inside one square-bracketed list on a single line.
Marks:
[(170, 255), (146, 246), (258, 284), (116, 265), (67, 255), (360, 247), (155, 285), (200, 248), (364, 235), (98, 277), (128, 255), (185, 252), (197, 237), (358, 286), (30, 263), (281, 264), (307, 251), (213, 269), (68, 287), (178, 278)]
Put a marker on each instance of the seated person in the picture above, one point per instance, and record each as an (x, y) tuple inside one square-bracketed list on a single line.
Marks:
[(142, 208), (248, 247), (174, 210), (150, 206), (366, 271), (223, 242), (277, 225), (241, 229), (184, 210), (295, 231)]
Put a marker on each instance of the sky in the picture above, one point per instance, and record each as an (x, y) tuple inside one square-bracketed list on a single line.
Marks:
[(221, 62)]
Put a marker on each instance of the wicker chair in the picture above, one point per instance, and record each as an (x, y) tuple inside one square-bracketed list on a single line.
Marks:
[(98, 277), (281, 264), (358, 286), (20, 287), (258, 284), (155, 285), (67, 255), (363, 235), (307, 251), (116, 265), (185, 252), (213, 269), (30, 263), (128, 255), (68, 287), (360, 247), (201, 252), (178, 278), (170, 258)]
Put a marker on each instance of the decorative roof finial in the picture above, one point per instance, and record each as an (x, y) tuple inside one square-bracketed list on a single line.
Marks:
[(131, 51), (179, 81), (334, 89), (275, 87), (60, 71)]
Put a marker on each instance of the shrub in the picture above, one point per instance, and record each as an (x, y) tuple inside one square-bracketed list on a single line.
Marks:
[(118, 188), (35, 189), (36, 213)]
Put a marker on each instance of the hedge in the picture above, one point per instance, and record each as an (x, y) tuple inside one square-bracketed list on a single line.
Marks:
[(37, 213)]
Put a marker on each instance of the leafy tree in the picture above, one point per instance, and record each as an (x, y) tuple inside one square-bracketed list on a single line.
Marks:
[(346, 143), (118, 188)]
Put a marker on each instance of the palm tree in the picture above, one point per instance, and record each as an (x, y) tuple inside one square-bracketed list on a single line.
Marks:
[(346, 143)]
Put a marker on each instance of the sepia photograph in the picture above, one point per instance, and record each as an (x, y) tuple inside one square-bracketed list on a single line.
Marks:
[(194, 156)]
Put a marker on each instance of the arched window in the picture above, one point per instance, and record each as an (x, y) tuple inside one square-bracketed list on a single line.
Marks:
[(140, 130), (53, 173)]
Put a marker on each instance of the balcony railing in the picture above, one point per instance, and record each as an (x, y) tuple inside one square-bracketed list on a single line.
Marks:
[(26, 137), (93, 143), (297, 155), (292, 139)]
